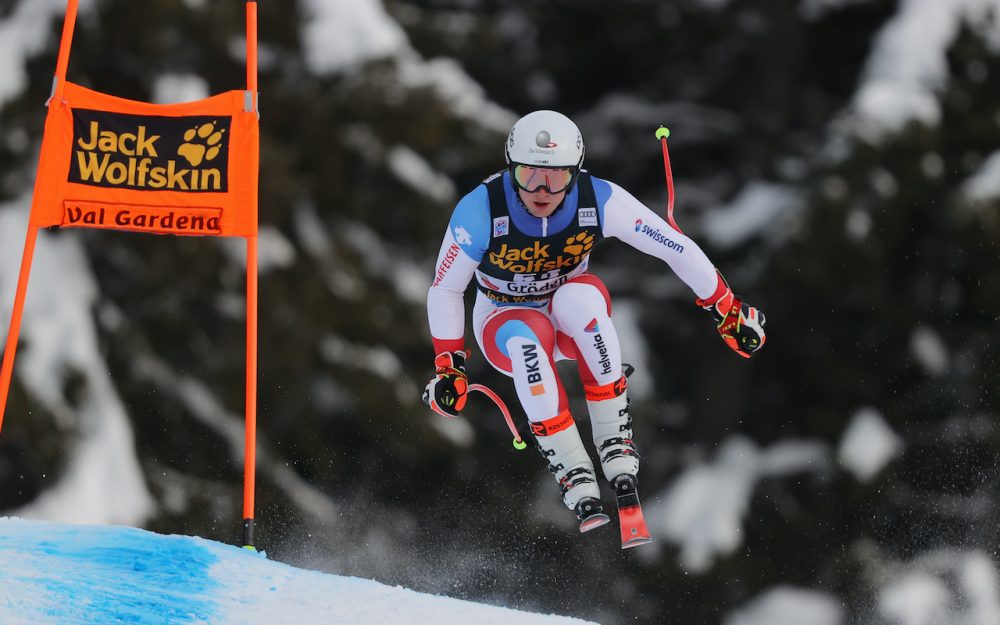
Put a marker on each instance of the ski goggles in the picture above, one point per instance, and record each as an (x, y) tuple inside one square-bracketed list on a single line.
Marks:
[(552, 179)]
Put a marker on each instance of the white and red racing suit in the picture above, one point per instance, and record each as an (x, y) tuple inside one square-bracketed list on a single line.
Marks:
[(537, 301)]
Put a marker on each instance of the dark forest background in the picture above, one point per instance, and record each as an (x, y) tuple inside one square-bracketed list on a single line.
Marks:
[(753, 91)]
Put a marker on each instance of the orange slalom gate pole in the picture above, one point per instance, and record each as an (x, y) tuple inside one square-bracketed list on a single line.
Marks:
[(250, 453), (62, 63), (15, 317), (252, 49), (14, 330), (249, 462)]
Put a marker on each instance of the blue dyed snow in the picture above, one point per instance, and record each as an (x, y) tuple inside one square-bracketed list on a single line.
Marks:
[(122, 575), (57, 574)]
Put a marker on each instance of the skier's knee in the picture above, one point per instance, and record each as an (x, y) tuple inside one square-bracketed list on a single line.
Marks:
[(531, 325), (587, 290)]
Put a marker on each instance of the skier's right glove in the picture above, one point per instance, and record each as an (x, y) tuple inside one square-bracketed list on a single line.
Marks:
[(448, 390)]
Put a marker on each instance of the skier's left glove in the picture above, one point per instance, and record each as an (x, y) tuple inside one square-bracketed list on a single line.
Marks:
[(740, 325), (448, 390)]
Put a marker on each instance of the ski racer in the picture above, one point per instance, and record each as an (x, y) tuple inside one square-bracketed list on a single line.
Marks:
[(526, 234)]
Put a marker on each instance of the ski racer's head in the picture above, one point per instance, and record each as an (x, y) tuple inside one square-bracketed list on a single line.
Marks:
[(544, 153)]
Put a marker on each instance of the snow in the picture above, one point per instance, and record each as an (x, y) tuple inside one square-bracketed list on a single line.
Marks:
[(417, 173), (945, 587), (635, 348), (463, 95), (23, 34), (58, 574), (908, 65), (868, 444), (171, 88), (274, 250), (759, 207), (703, 511), (985, 184), (929, 350), (410, 280), (979, 581), (858, 225), (815, 9), (310, 231), (58, 338), (458, 430), (916, 599), (808, 9), (378, 360), (340, 34), (785, 605)]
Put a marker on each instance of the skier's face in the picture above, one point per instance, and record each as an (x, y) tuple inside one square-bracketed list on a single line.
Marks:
[(541, 203)]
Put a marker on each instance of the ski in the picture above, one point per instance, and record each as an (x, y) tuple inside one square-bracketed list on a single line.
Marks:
[(590, 514), (630, 518)]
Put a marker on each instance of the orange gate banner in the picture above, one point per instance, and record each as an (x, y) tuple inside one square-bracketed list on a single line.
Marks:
[(185, 169)]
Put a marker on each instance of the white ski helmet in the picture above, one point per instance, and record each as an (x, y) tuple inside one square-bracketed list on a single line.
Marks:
[(545, 139)]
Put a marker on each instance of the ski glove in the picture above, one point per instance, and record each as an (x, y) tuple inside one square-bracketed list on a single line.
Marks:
[(448, 390), (740, 325)]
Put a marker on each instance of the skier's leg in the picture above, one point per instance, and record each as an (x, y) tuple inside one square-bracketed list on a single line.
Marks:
[(520, 342), (581, 309)]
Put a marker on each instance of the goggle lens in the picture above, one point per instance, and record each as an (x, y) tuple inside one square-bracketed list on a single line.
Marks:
[(553, 180)]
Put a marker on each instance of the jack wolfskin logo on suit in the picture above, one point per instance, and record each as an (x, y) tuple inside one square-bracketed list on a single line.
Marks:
[(539, 257), (189, 154)]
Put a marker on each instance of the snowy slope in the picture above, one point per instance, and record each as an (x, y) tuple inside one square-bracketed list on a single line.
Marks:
[(57, 574)]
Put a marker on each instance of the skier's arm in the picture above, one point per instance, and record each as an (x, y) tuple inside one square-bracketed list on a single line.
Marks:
[(629, 220), (461, 250), (740, 325), (446, 297)]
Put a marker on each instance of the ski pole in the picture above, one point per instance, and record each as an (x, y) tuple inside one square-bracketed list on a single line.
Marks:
[(518, 442), (662, 133)]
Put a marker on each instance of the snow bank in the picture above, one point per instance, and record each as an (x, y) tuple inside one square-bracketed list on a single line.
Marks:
[(57, 574)]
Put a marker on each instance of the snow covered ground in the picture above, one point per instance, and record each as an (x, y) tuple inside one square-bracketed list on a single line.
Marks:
[(58, 574)]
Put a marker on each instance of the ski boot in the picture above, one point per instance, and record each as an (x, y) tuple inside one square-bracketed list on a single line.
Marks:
[(560, 444), (611, 425), (590, 514)]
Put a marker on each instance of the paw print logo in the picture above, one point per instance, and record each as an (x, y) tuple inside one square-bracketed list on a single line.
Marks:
[(201, 144), (579, 244)]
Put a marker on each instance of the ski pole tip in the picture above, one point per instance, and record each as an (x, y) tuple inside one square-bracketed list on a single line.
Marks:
[(662, 132), (519, 444)]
